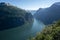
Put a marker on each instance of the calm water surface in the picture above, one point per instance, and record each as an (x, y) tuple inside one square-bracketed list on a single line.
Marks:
[(22, 33)]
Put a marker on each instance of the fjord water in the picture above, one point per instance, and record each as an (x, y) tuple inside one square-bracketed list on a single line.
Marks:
[(22, 33)]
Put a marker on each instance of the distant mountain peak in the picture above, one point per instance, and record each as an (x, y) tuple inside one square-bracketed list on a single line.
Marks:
[(4, 4), (57, 3)]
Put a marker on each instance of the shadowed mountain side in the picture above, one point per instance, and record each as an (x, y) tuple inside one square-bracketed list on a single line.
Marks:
[(49, 15), (11, 16)]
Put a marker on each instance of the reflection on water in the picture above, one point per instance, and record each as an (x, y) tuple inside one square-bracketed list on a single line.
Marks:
[(36, 27), (23, 32)]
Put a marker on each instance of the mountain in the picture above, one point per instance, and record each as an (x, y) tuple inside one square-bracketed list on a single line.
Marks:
[(49, 15), (32, 11), (11, 16)]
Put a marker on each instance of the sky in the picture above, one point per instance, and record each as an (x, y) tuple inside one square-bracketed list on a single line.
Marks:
[(31, 4)]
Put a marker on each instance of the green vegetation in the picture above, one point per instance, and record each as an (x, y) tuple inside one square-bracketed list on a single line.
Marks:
[(51, 32)]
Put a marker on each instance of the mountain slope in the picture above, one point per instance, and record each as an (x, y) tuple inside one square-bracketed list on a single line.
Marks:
[(49, 15), (11, 16)]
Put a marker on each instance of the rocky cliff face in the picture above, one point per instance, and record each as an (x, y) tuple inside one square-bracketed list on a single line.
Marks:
[(49, 15), (11, 16)]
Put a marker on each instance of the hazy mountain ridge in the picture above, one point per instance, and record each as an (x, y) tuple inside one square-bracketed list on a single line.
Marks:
[(32, 11), (48, 15)]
